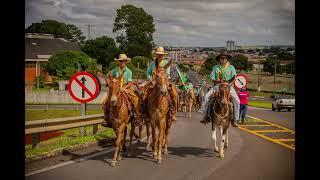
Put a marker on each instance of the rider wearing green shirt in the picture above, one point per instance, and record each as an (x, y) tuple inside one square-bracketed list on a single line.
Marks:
[(223, 72)]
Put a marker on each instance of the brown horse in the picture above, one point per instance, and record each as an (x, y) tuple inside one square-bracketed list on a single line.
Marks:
[(158, 107), (120, 116), (221, 113), (187, 102)]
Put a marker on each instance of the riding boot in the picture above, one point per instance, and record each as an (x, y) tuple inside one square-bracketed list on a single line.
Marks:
[(234, 123), (205, 119)]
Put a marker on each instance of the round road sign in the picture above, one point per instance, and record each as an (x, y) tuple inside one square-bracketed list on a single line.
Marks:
[(83, 87), (241, 81)]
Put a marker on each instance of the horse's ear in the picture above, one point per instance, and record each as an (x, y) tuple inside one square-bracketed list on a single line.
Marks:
[(167, 65)]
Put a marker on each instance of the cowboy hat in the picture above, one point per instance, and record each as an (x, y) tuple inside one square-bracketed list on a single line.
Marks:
[(123, 57), (223, 53), (160, 50)]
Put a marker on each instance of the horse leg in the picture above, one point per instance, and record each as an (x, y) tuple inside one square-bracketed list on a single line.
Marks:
[(214, 138), (140, 130), (223, 139), (131, 136), (153, 127), (123, 148), (148, 126), (160, 138), (118, 144), (167, 132), (227, 139)]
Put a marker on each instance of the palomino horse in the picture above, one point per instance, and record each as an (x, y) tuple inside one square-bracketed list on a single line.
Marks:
[(120, 116), (187, 101), (158, 108), (221, 113)]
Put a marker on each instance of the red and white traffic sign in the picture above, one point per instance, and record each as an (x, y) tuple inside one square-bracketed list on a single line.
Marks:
[(241, 81), (83, 87)]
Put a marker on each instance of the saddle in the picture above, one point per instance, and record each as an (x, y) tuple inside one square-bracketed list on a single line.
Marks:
[(129, 103)]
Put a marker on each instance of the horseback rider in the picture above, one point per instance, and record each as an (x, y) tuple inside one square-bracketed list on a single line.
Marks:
[(223, 72), (172, 88), (127, 87)]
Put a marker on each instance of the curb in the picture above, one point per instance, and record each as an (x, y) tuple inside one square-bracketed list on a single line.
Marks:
[(60, 151)]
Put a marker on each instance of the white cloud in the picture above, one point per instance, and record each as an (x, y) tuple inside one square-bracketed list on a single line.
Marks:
[(180, 22)]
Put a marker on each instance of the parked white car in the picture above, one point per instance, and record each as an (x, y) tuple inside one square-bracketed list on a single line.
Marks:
[(283, 102)]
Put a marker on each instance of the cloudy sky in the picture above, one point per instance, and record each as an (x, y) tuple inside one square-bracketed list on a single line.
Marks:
[(185, 23)]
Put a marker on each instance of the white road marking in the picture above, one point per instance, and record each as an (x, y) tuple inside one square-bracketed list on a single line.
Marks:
[(74, 161)]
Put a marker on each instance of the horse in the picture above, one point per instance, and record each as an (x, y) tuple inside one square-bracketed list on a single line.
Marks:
[(221, 114), (158, 108), (187, 101), (199, 100), (120, 116)]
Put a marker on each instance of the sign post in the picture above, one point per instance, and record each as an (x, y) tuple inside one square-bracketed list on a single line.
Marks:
[(84, 87), (241, 81)]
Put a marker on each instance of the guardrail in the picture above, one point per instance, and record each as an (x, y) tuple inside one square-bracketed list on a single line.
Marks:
[(40, 126)]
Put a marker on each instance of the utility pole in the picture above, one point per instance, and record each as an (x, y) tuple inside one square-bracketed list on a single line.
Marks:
[(274, 77), (89, 37), (259, 76)]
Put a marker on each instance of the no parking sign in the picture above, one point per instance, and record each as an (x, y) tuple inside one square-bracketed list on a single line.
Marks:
[(84, 87), (241, 81)]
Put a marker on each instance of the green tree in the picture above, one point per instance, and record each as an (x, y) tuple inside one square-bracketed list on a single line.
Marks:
[(103, 49), (285, 56), (143, 62), (136, 28), (240, 62), (208, 64), (58, 29), (64, 64), (268, 64)]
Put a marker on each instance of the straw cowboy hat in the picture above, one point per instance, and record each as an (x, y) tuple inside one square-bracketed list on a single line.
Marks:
[(160, 50), (123, 57), (223, 53)]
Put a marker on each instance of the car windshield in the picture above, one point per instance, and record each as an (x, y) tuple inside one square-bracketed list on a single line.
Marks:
[(286, 97)]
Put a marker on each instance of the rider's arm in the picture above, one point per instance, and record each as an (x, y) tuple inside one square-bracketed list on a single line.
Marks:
[(149, 71)]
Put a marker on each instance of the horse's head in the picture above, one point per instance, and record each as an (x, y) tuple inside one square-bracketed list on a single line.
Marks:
[(161, 78), (224, 93), (114, 89)]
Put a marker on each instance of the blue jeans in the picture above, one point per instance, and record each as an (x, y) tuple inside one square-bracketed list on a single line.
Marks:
[(243, 111)]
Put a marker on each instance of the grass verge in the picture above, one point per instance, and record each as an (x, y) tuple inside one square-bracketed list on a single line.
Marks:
[(70, 137), (261, 104)]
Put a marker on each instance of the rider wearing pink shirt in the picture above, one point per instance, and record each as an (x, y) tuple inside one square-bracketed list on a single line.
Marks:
[(244, 97)]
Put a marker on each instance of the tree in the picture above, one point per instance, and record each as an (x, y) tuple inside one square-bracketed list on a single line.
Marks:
[(285, 56), (103, 49), (58, 29), (208, 64), (64, 64), (143, 62), (268, 64), (240, 62), (138, 28)]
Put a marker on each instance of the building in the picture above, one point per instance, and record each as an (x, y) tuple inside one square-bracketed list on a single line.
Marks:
[(230, 46), (38, 49)]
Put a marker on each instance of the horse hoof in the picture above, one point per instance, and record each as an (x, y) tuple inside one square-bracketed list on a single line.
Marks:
[(221, 156), (159, 161), (119, 158), (216, 150), (113, 164)]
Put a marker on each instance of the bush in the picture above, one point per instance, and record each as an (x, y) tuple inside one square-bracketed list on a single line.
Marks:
[(39, 79)]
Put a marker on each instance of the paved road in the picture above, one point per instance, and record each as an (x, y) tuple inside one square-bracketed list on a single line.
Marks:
[(191, 157)]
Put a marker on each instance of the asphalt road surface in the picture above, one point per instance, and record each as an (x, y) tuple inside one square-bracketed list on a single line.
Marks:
[(191, 156)]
